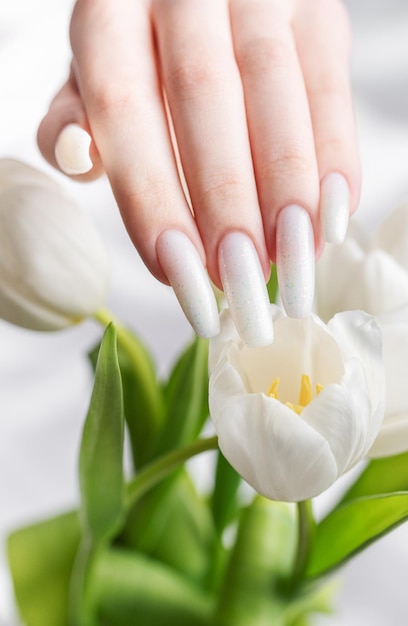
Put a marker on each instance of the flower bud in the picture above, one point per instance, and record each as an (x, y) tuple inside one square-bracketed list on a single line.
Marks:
[(53, 265)]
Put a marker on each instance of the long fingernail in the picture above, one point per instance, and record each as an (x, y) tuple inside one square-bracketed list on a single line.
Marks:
[(295, 260), (72, 150), (186, 274), (245, 290), (334, 207)]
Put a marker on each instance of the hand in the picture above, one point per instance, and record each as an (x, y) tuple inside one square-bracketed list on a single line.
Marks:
[(262, 122)]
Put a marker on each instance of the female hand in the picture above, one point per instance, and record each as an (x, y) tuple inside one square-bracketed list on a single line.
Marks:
[(252, 98)]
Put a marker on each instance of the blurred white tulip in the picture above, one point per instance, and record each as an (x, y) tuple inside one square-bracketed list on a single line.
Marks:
[(369, 275), (53, 264), (393, 436), (373, 275)]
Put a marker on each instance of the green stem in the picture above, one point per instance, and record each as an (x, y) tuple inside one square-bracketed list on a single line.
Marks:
[(306, 531), (149, 476)]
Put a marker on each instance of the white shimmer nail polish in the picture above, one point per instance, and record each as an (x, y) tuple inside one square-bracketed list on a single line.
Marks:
[(295, 260), (72, 150), (186, 274), (334, 207), (245, 290)]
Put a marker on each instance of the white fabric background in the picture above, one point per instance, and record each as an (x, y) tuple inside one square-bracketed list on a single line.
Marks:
[(44, 378)]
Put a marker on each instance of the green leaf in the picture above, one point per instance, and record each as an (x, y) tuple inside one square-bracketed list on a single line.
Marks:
[(143, 400), (172, 523), (385, 475), (41, 559), (142, 393), (272, 284), (134, 589), (186, 395), (101, 477), (351, 528), (224, 498)]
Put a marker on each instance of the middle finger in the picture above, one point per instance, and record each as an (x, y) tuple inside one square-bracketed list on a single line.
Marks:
[(206, 102)]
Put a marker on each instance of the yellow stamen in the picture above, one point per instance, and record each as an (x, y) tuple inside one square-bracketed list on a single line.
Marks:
[(298, 408), (305, 393), (273, 389)]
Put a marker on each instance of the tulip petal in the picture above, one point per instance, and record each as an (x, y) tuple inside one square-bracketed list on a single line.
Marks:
[(359, 337), (24, 312), (395, 340), (53, 267), (373, 281), (342, 414), (266, 442), (329, 300), (301, 346), (15, 173), (392, 236), (228, 334), (393, 436)]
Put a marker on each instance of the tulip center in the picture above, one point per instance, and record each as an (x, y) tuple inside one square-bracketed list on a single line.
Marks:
[(305, 393)]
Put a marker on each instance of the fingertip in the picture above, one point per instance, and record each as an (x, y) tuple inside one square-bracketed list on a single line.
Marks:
[(245, 290), (334, 207), (295, 260), (186, 274), (64, 137)]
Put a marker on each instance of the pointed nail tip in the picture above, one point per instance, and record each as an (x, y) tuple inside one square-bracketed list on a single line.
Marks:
[(298, 313), (334, 207), (74, 172), (261, 342), (335, 236), (209, 333), (295, 261), (186, 274), (334, 239), (335, 233), (245, 290)]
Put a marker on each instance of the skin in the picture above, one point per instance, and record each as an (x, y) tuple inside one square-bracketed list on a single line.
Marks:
[(259, 98)]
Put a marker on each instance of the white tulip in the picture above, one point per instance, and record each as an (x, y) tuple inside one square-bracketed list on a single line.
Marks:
[(372, 275), (53, 265), (293, 416), (393, 436)]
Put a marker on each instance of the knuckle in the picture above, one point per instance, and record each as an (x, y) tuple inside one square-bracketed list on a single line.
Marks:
[(141, 196), (224, 188), (110, 100), (332, 85), (287, 161), (197, 75), (263, 54)]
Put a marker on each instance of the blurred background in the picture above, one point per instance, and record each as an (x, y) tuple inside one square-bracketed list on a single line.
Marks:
[(45, 380)]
